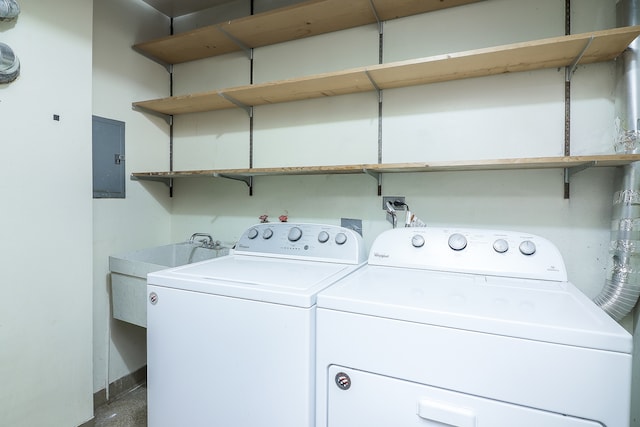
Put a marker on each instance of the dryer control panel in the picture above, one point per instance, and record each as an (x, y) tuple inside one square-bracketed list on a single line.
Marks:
[(317, 242), (468, 250)]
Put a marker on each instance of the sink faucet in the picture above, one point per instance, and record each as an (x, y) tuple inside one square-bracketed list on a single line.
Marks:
[(206, 241)]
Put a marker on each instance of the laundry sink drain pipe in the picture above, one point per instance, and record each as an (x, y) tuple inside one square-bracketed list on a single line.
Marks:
[(622, 286)]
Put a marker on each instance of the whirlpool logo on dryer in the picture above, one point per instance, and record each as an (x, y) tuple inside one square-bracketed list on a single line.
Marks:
[(380, 255)]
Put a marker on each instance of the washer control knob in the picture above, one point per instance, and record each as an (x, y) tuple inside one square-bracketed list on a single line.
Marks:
[(501, 246), (323, 237), (341, 238), (267, 234), (252, 234), (417, 241), (294, 234), (527, 247), (457, 242)]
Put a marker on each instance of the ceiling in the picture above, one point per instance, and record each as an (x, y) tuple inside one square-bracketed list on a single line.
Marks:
[(174, 8)]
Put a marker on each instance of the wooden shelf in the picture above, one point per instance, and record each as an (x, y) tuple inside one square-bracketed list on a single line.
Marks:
[(553, 52), (569, 162), (289, 23)]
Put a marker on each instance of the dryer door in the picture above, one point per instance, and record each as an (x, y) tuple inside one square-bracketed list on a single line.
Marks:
[(366, 399)]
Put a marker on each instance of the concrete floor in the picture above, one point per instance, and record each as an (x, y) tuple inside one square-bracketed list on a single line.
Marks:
[(128, 410)]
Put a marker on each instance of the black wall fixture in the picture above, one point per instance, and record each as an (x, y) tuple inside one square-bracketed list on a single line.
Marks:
[(9, 9)]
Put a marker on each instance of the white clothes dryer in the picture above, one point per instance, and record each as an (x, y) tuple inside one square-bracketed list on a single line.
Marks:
[(467, 327), (231, 341)]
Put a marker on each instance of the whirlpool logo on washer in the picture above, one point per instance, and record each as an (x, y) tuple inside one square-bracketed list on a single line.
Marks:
[(380, 255)]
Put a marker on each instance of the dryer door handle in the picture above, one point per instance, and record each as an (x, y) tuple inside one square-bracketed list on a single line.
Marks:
[(443, 412)]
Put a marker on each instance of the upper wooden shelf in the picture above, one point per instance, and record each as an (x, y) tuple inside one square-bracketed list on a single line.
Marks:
[(462, 165), (553, 52), (289, 23)]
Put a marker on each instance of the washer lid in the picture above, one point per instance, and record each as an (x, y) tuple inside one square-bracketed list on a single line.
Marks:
[(281, 281), (549, 311)]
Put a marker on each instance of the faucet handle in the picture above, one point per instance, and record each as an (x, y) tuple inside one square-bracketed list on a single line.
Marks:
[(206, 241)]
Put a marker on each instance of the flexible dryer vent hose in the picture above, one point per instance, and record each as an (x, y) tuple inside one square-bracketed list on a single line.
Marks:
[(622, 286), (9, 9), (9, 64)]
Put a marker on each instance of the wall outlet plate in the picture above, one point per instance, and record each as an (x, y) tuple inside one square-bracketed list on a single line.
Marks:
[(392, 199)]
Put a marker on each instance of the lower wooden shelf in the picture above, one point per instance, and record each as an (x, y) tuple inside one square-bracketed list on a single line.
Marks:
[(570, 163)]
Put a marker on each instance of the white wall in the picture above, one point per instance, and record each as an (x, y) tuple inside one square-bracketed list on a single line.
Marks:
[(502, 116), (45, 220), (142, 219)]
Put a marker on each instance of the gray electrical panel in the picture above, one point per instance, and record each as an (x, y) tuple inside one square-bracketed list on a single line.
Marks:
[(108, 159)]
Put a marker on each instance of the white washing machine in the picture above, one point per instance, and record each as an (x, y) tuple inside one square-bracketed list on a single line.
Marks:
[(467, 327), (231, 341)]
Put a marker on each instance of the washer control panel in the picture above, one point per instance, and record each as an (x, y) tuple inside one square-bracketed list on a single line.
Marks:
[(467, 250), (307, 241)]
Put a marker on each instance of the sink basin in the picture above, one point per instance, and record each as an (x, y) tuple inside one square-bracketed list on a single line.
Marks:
[(129, 275), (140, 263)]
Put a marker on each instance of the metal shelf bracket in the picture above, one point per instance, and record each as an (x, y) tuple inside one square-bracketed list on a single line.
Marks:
[(166, 181), (575, 169), (569, 70), (246, 179), (379, 91), (167, 66), (245, 107), (569, 172), (247, 50), (375, 85), (377, 176), (375, 13), (166, 117)]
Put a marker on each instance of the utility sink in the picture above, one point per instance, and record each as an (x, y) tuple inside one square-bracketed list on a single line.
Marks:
[(129, 274)]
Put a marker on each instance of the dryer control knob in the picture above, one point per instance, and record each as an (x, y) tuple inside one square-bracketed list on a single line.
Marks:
[(267, 234), (294, 234), (323, 237), (527, 247), (341, 238), (501, 246), (417, 241), (252, 234), (457, 242)]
